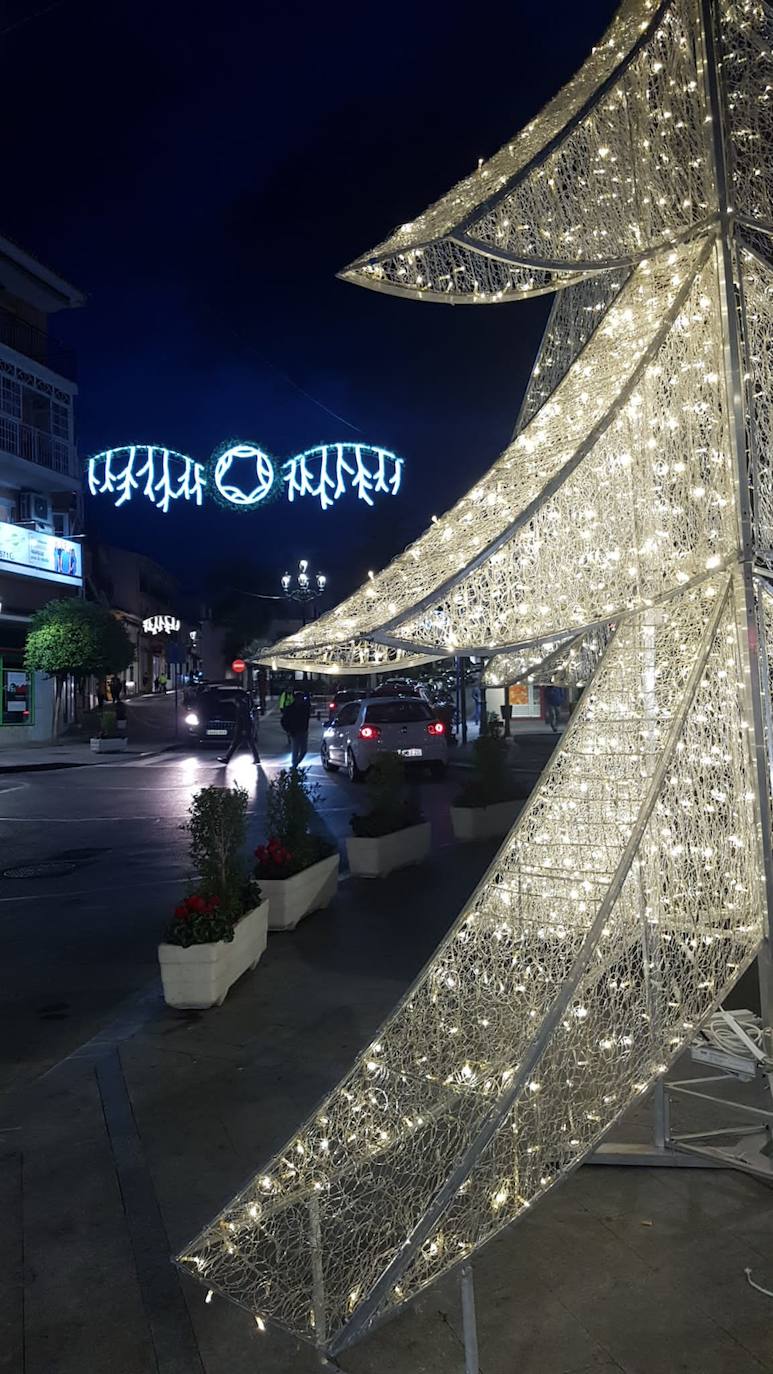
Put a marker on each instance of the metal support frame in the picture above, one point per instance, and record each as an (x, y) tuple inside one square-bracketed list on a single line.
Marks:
[(469, 1324), (749, 1144)]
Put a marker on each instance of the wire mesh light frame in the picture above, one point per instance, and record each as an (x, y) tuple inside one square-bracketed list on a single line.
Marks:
[(732, 628)]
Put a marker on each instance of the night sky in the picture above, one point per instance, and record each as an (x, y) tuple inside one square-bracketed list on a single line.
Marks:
[(202, 172)]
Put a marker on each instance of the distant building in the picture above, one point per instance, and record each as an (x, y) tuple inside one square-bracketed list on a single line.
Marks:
[(147, 599), (41, 498)]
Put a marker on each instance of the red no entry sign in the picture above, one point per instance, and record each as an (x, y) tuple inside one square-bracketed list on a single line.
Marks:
[(238, 665)]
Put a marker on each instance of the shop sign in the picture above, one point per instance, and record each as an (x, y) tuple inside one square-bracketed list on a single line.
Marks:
[(32, 554)]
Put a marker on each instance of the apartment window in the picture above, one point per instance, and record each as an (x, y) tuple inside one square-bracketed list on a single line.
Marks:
[(10, 397), (36, 410), (60, 420)]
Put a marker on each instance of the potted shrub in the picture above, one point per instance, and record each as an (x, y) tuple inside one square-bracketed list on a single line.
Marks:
[(488, 804), (392, 833), (109, 740), (297, 871), (219, 930)]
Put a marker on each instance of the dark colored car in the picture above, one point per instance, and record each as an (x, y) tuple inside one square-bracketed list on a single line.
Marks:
[(396, 687), (342, 698), (211, 714)]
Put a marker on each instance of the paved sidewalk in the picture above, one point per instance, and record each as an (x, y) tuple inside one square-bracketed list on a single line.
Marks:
[(117, 1156), (44, 757)]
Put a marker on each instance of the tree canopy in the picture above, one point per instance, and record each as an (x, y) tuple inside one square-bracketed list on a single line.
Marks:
[(74, 637)]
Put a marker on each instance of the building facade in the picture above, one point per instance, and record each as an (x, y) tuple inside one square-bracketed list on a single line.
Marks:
[(41, 493), (146, 598)]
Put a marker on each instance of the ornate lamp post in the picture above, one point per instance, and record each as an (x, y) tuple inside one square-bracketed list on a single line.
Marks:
[(304, 587)]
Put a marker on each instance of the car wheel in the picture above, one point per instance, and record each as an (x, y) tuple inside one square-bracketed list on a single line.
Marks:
[(355, 775), (326, 764), (438, 770)]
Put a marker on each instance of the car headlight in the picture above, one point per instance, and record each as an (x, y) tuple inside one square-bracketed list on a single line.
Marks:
[(191, 718)]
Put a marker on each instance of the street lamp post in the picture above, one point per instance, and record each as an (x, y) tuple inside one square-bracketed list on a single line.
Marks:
[(304, 589)]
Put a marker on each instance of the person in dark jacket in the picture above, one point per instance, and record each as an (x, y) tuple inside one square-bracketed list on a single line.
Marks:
[(244, 730), (295, 723), (554, 698)]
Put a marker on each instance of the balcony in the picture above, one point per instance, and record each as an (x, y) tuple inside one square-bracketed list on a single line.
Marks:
[(37, 447), (37, 344)]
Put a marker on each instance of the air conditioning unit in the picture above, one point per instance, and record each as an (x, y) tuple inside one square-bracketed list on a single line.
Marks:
[(34, 509), (62, 523)]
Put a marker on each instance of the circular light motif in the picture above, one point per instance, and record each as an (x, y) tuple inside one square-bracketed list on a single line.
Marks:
[(259, 468)]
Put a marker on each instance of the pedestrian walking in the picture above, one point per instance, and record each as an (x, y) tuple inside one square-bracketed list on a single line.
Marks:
[(101, 693), (553, 700), (116, 687), (244, 729), (295, 723), (120, 716), (285, 700), (162, 681)]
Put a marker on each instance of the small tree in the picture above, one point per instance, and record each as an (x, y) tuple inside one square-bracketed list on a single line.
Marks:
[(74, 638), (291, 846), (217, 826)]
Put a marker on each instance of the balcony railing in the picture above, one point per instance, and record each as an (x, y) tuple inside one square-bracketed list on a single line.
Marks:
[(37, 344), (37, 447)]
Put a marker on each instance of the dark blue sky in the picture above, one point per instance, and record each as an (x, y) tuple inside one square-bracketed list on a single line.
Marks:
[(202, 171)]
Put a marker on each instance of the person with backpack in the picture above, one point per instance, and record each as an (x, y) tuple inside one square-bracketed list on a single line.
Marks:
[(295, 723)]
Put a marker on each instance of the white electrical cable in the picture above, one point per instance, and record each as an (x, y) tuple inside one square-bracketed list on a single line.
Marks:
[(721, 1032), (758, 1286)]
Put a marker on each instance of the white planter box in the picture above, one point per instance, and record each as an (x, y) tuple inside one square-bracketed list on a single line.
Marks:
[(293, 898), (201, 975), (484, 822), (109, 746), (375, 857)]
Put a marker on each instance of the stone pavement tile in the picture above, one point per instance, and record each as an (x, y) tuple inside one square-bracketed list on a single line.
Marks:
[(710, 1278), (82, 1309), (554, 1244), (230, 1343), (522, 1324), (653, 1328), (11, 1256)]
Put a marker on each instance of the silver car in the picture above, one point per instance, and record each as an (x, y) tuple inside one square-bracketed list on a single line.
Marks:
[(400, 725)]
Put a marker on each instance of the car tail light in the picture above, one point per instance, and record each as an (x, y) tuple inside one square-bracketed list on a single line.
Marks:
[(369, 732), (331, 706), (436, 727)]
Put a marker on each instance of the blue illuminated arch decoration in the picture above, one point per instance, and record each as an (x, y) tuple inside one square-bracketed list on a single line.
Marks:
[(242, 476)]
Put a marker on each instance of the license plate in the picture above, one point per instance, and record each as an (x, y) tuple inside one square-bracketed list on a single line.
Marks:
[(217, 732), (411, 753)]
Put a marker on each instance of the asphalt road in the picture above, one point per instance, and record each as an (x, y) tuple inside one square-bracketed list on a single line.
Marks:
[(79, 948)]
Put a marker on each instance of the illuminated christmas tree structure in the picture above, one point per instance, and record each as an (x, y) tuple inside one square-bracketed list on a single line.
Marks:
[(630, 524)]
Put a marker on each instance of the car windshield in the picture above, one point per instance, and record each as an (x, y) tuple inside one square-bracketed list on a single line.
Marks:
[(397, 712)]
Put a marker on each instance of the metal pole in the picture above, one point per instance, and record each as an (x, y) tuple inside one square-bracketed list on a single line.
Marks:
[(662, 1130), (317, 1275), (469, 1326), (744, 589), (463, 698)]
